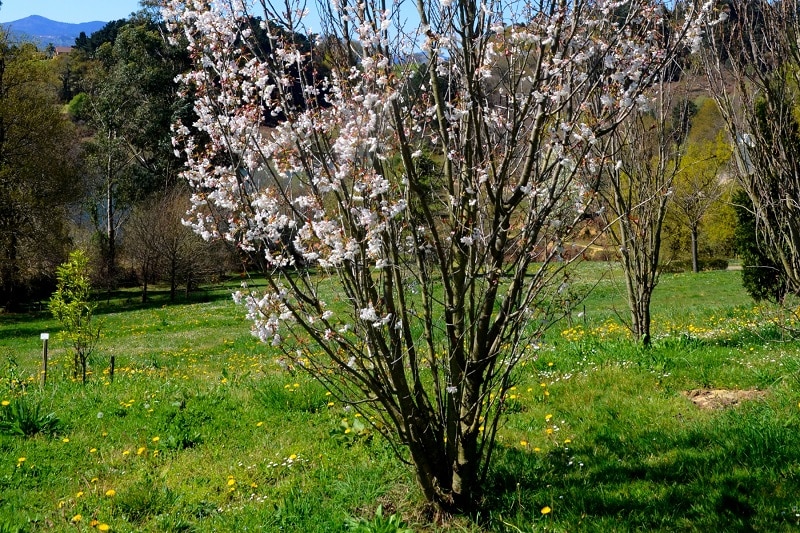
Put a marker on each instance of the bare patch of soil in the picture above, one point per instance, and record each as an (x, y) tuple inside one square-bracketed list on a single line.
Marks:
[(721, 398)]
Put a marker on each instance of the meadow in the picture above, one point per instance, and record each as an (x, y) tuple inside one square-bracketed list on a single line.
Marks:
[(202, 430)]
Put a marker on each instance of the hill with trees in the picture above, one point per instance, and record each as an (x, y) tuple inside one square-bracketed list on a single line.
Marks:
[(43, 31)]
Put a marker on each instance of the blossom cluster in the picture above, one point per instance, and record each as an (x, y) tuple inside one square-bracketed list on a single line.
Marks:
[(313, 166)]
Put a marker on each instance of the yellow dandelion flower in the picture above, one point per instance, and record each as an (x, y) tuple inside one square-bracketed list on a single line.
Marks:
[(567, 441), (549, 431), (548, 417), (65, 439), (79, 494), (156, 439), (111, 493), (155, 452), (537, 450), (93, 450), (330, 404), (22, 459), (231, 482), (103, 527), (93, 480), (77, 518), (523, 442), (546, 510), (293, 456), (5, 403), (126, 452), (259, 424), (140, 451)]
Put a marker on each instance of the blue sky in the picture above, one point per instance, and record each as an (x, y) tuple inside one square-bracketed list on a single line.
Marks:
[(73, 11)]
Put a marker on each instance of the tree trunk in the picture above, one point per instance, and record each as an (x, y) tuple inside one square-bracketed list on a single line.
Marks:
[(451, 485), (695, 262), (110, 229), (644, 321), (145, 275), (173, 279)]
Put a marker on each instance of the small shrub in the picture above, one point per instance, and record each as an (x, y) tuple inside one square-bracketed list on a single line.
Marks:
[(22, 418), (379, 524), (72, 306)]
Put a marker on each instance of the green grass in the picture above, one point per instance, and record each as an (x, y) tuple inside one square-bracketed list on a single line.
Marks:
[(201, 429)]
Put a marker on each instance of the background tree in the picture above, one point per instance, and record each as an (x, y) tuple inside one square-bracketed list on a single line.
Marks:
[(38, 171), (756, 90), (417, 320), (649, 148), (701, 185), (131, 106), (162, 248)]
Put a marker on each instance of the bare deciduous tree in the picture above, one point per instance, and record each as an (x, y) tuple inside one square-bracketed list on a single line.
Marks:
[(648, 148), (164, 249)]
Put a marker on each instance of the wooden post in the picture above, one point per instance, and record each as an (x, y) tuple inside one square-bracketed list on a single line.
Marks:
[(45, 337)]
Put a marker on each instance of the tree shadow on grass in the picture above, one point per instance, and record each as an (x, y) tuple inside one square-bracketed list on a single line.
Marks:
[(730, 475)]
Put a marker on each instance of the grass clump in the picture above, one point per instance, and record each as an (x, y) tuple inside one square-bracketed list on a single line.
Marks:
[(378, 524), (24, 417)]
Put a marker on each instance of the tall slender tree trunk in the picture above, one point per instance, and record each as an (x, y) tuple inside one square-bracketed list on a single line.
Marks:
[(110, 226), (695, 262)]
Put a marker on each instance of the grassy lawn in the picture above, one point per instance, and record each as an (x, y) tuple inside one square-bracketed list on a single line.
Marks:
[(201, 430)]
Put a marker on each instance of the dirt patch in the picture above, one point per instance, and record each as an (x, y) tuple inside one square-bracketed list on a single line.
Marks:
[(721, 398)]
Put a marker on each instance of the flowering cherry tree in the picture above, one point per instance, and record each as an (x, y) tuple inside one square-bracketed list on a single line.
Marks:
[(412, 207)]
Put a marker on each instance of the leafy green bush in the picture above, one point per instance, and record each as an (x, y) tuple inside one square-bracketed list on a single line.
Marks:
[(79, 107), (21, 417)]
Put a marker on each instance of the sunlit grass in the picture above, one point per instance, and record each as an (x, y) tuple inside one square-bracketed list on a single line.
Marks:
[(201, 429)]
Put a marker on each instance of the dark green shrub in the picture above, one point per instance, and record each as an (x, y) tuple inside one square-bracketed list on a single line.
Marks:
[(761, 277)]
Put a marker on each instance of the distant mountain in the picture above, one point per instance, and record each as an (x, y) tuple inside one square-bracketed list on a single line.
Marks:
[(44, 31)]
